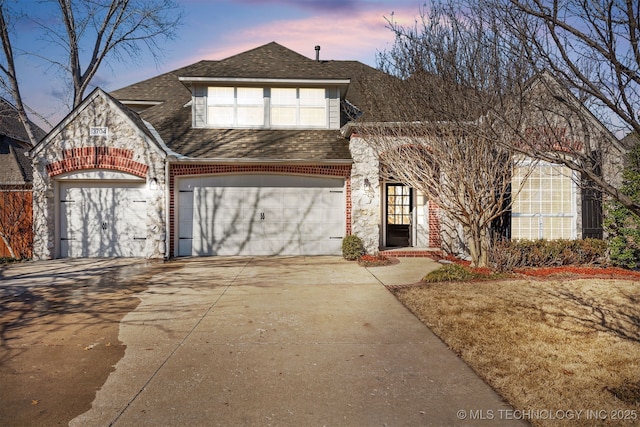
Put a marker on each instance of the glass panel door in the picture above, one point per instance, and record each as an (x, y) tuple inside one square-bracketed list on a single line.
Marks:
[(399, 204)]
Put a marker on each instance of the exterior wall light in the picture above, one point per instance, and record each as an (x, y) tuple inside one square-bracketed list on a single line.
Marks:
[(153, 184)]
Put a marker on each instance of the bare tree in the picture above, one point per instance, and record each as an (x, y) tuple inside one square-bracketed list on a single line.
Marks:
[(593, 47), (9, 78), (591, 50), (121, 28), (450, 67), (92, 32)]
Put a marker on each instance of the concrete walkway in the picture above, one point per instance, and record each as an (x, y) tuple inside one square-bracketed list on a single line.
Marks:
[(285, 341)]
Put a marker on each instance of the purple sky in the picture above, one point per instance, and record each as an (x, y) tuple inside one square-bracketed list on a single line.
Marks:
[(345, 29)]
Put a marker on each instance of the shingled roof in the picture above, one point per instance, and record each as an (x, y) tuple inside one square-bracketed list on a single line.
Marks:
[(11, 126), (172, 116), (15, 166)]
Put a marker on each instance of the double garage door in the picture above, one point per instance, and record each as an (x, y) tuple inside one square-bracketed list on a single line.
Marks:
[(260, 215), (102, 219)]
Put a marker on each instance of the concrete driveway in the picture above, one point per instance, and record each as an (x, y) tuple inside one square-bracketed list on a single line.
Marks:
[(285, 341)]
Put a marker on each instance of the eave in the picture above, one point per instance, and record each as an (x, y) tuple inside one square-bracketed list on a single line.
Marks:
[(340, 83)]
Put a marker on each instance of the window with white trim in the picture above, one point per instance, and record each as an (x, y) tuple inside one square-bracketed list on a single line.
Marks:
[(298, 107), (546, 206), (235, 106), (285, 107)]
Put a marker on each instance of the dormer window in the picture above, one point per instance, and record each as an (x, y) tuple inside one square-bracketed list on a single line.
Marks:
[(298, 107), (235, 106), (256, 107), (254, 103)]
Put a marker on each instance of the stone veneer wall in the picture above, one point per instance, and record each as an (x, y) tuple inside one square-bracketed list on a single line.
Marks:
[(367, 199), (72, 149), (365, 194)]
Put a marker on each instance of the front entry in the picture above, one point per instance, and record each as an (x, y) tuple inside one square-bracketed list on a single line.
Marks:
[(398, 215)]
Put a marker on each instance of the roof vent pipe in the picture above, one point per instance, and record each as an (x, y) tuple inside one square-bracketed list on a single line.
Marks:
[(318, 53)]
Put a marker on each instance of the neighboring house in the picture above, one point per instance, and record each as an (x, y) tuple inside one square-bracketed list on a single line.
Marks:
[(250, 155), (16, 233)]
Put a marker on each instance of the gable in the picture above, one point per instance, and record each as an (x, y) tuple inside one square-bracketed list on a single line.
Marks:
[(99, 134), (568, 124)]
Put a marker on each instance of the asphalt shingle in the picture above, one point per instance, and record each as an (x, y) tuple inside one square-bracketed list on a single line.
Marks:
[(172, 117)]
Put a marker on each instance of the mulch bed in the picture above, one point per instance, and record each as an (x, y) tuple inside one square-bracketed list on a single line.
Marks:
[(579, 271)]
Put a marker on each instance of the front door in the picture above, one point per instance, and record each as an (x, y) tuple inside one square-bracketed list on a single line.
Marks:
[(398, 215)]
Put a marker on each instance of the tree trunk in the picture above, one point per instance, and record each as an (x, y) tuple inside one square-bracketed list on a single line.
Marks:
[(478, 245)]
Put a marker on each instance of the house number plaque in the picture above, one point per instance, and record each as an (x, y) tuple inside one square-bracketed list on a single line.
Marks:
[(98, 131)]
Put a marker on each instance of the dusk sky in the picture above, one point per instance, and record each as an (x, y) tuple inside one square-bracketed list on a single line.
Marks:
[(345, 29)]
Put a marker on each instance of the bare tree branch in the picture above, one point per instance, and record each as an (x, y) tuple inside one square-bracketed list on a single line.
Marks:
[(592, 47), (451, 69), (116, 28), (9, 71)]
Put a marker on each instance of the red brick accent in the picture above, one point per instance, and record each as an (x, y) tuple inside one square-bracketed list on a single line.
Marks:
[(192, 169), (411, 254), (435, 235), (83, 158)]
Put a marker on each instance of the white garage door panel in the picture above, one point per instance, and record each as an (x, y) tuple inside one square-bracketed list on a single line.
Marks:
[(261, 215), (102, 219)]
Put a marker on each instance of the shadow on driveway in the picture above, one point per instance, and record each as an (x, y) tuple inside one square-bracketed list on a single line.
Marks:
[(59, 323)]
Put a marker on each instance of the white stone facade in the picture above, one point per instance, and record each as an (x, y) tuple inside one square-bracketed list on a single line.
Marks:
[(365, 194), (71, 152)]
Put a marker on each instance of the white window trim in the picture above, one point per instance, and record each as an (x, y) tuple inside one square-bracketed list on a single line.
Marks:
[(574, 198), (267, 106)]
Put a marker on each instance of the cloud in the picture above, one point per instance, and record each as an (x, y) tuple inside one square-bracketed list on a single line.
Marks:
[(356, 36), (314, 5)]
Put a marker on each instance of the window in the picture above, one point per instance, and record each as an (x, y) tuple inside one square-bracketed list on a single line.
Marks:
[(304, 107), (229, 106), (312, 107), (284, 105), (546, 205), (398, 204)]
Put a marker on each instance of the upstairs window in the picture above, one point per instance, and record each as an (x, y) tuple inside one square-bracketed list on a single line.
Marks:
[(247, 107), (235, 106), (284, 106), (298, 107)]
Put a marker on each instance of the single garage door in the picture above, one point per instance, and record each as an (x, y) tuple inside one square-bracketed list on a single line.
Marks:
[(260, 215), (102, 219)]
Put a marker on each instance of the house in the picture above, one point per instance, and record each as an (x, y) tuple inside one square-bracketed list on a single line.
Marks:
[(15, 184), (249, 155)]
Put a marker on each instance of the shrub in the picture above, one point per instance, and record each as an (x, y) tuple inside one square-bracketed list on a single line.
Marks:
[(449, 273), (507, 255), (621, 224), (352, 247)]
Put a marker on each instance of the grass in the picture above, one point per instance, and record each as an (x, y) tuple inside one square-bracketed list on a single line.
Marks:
[(556, 344)]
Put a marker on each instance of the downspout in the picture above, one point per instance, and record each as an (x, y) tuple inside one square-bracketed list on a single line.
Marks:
[(167, 207)]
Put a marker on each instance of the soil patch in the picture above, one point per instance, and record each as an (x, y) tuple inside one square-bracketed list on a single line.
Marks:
[(59, 343)]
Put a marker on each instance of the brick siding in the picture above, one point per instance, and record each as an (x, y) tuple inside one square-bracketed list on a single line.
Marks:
[(76, 159), (435, 235)]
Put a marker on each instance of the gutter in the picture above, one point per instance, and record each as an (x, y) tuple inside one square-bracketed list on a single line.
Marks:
[(244, 160)]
